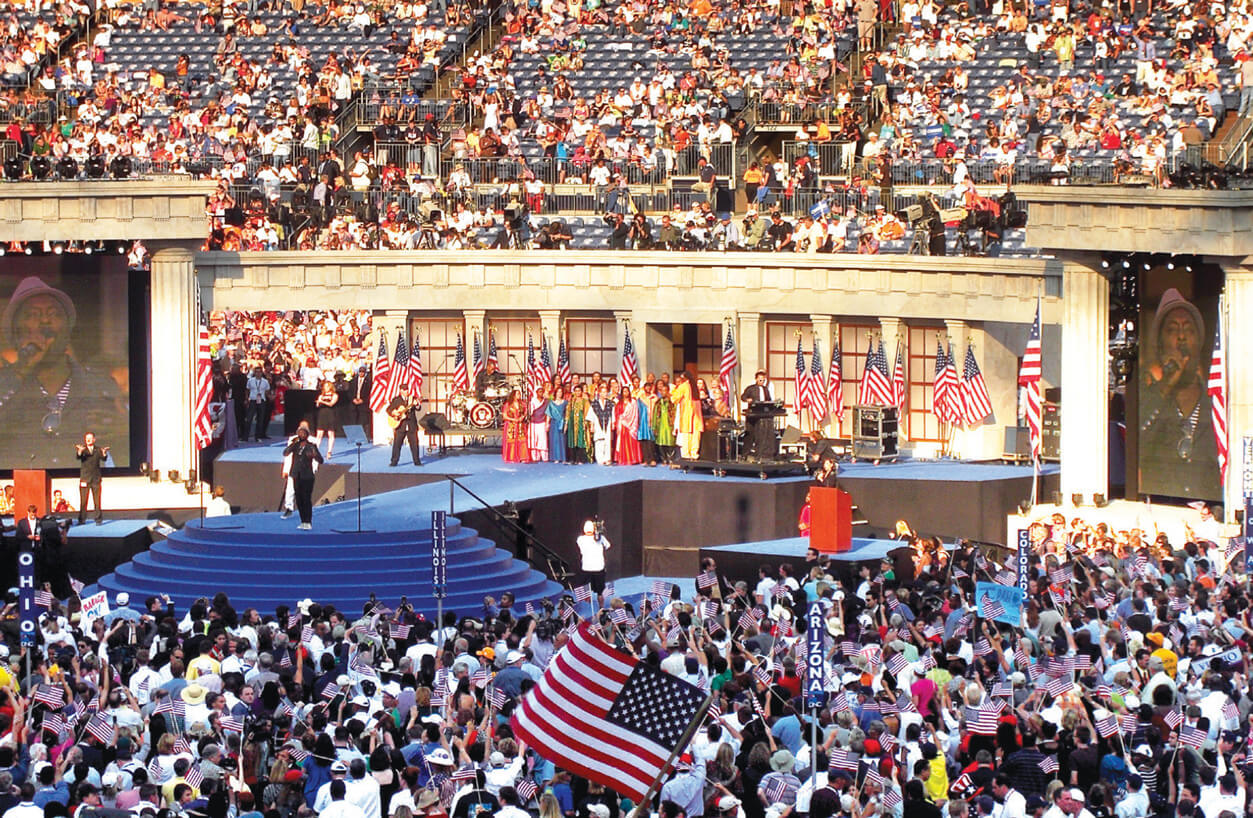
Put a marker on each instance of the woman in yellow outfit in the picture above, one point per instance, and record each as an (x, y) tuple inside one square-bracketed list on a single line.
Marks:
[(687, 416)]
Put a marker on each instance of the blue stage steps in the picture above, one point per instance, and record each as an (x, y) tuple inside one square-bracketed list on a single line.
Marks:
[(261, 566)]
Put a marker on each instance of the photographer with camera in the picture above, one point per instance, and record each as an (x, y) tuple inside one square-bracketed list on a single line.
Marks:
[(640, 235), (592, 547)]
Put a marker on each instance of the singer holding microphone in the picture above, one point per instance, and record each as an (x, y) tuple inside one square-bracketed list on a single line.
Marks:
[(45, 389), (90, 458)]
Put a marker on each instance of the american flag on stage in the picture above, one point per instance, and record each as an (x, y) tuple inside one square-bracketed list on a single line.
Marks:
[(545, 371), (815, 396), (876, 388), (400, 367), (602, 714), (1218, 397), (101, 726), (460, 375), (726, 368), (956, 400), (477, 364), (202, 422), (975, 399), (415, 374), (941, 403), (898, 377), (835, 384), (800, 380), (629, 367), (563, 362), (381, 379), (1029, 375), (491, 348)]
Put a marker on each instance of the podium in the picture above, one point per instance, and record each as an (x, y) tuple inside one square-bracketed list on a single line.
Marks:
[(31, 486), (830, 520)]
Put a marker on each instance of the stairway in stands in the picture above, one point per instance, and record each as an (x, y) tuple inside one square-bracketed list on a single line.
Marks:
[(260, 567)]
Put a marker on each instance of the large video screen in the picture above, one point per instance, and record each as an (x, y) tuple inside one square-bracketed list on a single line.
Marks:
[(65, 349), (1178, 456)]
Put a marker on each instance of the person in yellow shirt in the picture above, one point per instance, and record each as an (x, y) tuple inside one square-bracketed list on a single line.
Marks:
[(936, 782), (180, 777), (687, 416)]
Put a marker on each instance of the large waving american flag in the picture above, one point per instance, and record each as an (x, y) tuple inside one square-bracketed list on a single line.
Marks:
[(835, 384), (1217, 390), (726, 368), (400, 367), (381, 382), (975, 399), (460, 376), (876, 389), (629, 368), (203, 421), (815, 395), (603, 714), (1029, 375)]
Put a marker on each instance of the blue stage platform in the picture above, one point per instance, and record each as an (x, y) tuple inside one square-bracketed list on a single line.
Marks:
[(261, 560)]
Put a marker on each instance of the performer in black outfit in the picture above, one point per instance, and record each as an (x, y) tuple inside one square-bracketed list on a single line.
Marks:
[(828, 472), (359, 400), (761, 442), (490, 376), (304, 453), (403, 412), (90, 458)]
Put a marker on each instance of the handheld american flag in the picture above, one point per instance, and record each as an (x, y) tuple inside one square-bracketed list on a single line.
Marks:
[(1194, 737), (726, 367), (629, 368), (975, 399), (1217, 390), (460, 375), (101, 726), (1049, 764), (382, 376), (601, 713), (835, 384), (1029, 375)]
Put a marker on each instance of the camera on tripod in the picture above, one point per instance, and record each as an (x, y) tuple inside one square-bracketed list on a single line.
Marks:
[(599, 527), (429, 214)]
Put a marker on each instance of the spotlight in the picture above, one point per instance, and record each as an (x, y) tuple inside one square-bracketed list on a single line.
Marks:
[(1170, 265), (1024, 507), (88, 249), (1099, 500), (1147, 266), (95, 167), (1077, 499), (144, 468), (121, 248), (173, 475), (191, 475), (1126, 264), (58, 248), (1104, 264), (40, 167), (28, 250)]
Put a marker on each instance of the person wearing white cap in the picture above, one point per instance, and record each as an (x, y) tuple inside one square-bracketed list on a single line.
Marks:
[(510, 679), (122, 609), (592, 547)]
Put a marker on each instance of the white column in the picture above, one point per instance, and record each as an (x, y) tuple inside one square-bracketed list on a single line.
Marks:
[(1085, 383), (173, 321), (1238, 326), (748, 346), (476, 324), (387, 325)]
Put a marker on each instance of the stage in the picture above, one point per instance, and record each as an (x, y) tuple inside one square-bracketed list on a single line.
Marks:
[(744, 559)]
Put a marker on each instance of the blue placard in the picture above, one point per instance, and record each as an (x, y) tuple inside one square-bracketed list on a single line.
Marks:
[(28, 618), (1009, 597), (1023, 559), (1248, 536), (815, 655), (439, 553)]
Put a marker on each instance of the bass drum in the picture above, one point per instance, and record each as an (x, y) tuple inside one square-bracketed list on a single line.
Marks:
[(482, 415)]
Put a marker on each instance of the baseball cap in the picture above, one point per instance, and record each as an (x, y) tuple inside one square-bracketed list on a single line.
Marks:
[(339, 767)]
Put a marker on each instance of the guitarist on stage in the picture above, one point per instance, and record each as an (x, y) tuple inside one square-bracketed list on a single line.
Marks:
[(402, 417)]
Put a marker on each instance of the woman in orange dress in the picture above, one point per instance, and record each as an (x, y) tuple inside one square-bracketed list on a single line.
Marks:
[(517, 424), (687, 416)]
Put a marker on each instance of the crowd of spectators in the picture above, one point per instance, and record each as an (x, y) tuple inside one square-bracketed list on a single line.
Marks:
[(1121, 691)]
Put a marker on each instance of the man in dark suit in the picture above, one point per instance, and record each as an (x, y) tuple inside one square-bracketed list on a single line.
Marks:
[(403, 410), (761, 442), (90, 458), (29, 530), (43, 539), (359, 406), (238, 383)]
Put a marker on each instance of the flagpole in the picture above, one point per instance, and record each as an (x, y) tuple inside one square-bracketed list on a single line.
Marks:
[(642, 809)]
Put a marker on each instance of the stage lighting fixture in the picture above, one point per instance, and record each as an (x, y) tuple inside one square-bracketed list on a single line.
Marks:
[(40, 167), (1147, 266), (1099, 500), (1057, 498), (121, 167), (88, 249), (13, 169), (58, 248), (28, 250), (95, 167), (154, 475), (67, 167), (1170, 265), (1104, 264), (173, 475), (1076, 499), (1126, 264), (191, 486), (191, 475), (144, 468)]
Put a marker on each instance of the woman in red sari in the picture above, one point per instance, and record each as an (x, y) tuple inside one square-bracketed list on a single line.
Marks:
[(516, 426), (627, 423)]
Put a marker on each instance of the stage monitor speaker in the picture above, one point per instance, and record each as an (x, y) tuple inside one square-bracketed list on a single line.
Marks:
[(1051, 431), (791, 436), (434, 423), (298, 406), (31, 487), (1017, 442)]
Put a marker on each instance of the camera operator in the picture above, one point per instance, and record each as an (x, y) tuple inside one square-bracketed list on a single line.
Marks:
[(753, 231), (559, 234), (726, 235), (640, 235), (618, 231), (592, 547)]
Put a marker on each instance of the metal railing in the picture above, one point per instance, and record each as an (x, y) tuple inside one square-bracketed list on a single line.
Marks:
[(558, 568)]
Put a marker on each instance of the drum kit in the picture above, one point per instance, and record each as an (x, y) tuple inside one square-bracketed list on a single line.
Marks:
[(464, 409)]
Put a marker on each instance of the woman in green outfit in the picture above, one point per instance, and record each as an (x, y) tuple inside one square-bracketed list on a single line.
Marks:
[(577, 437), (663, 425)]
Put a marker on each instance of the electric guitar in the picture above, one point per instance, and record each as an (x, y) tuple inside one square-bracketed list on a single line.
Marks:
[(395, 418)]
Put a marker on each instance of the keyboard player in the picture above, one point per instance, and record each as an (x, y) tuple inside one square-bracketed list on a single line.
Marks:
[(758, 424)]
